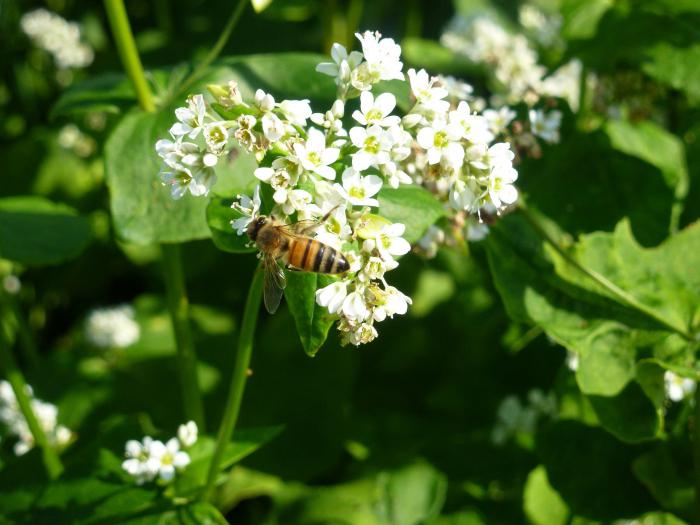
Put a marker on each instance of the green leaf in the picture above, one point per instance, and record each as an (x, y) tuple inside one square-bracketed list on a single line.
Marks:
[(312, 321), (36, 231), (245, 441), (581, 17), (542, 504), (109, 93), (573, 453), (413, 206), (676, 67), (668, 476), (430, 55), (219, 217)]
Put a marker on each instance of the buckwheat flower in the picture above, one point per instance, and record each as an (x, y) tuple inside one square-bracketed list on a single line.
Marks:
[(376, 111), (355, 306), (374, 144), (136, 462), (545, 125), (112, 327), (499, 119), (216, 137), (465, 195), (382, 55), (431, 241), (273, 127), (332, 119), (441, 142), (476, 231), (456, 89), (332, 296), (187, 434), (677, 387), (191, 118), (342, 65), (57, 36), (475, 128), (169, 458), (314, 156), (388, 242), (244, 134), (250, 208), (389, 302), (359, 190), (426, 91), (296, 111), (500, 186)]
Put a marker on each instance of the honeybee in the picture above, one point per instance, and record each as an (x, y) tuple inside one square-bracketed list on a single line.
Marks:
[(292, 244)]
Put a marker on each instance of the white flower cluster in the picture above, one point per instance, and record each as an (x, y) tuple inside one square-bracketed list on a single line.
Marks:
[(71, 138), (149, 459), (13, 420), (112, 327), (677, 387), (315, 167), (514, 417), (513, 61), (57, 36)]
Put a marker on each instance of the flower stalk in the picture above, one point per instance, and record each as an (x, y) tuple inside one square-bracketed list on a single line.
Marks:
[(126, 46), (238, 380), (178, 306), (14, 376)]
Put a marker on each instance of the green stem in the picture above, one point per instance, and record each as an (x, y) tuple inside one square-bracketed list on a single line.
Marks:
[(26, 338), (238, 380), (582, 98), (124, 38), (19, 386), (218, 46), (618, 293), (178, 305), (696, 453)]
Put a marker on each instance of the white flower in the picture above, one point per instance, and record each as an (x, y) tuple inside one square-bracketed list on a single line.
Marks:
[(296, 111), (545, 125), (475, 128), (355, 307), (359, 190), (388, 242), (191, 118), (677, 387), (342, 65), (374, 144), (572, 360), (376, 111), (112, 327), (332, 296), (57, 36), (273, 127), (500, 186), (427, 94), (250, 208), (216, 137), (314, 156), (441, 142), (332, 119), (11, 284), (382, 56), (187, 434), (431, 240), (499, 119), (391, 302), (167, 459)]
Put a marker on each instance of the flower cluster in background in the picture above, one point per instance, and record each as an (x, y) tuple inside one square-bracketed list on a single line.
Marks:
[(515, 418), (330, 163), (677, 387), (15, 425), (112, 327), (150, 460), (57, 36)]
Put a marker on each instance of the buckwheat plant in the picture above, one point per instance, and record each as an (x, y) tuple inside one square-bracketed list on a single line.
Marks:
[(319, 163)]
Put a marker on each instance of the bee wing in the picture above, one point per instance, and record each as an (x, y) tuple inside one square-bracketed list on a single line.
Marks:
[(299, 228), (275, 281)]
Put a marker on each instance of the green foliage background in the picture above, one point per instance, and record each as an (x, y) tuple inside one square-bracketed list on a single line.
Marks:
[(399, 432)]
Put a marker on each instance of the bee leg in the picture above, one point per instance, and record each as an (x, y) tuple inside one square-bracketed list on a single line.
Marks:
[(292, 268)]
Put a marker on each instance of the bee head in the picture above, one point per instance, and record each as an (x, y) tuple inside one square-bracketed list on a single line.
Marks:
[(254, 227)]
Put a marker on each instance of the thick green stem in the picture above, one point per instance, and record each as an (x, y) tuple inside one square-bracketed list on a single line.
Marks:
[(178, 306), (19, 386), (618, 293), (218, 46), (124, 38), (238, 380)]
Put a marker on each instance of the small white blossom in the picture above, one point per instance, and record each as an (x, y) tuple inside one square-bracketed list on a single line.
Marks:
[(373, 143), (249, 208), (355, 307), (342, 65), (441, 141), (332, 296), (499, 119), (677, 387), (191, 118), (57, 36), (545, 125), (149, 459), (296, 111), (389, 242), (382, 56), (376, 110), (112, 327), (359, 190), (187, 434), (428, 94), (314, 156)]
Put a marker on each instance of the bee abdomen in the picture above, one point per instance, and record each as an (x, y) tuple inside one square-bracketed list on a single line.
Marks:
[(314, 256)]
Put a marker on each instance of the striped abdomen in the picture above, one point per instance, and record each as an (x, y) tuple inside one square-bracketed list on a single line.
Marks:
[(311, 255)]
